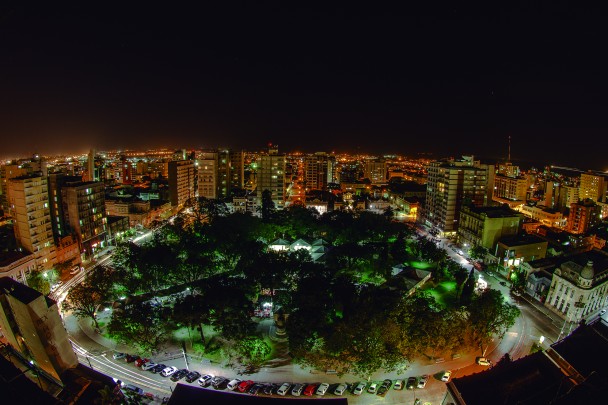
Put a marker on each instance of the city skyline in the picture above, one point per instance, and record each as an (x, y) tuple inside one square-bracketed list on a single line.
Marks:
[(445, 81)]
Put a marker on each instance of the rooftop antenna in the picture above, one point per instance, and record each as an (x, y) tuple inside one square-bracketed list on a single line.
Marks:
[(509, 155)]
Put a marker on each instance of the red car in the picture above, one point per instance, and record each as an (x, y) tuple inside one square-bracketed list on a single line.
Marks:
[(245, 385), (141, 362), (310, 389)]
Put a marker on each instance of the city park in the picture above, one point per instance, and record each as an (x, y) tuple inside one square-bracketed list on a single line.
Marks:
[(206, 281)]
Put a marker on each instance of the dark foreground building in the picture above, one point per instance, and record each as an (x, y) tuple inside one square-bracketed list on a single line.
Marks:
[(571, 371)]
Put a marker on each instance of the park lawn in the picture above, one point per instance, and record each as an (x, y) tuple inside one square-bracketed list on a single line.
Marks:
[(445, 293)]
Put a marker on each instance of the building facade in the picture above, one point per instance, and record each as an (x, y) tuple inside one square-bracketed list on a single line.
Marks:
[(319, 171), (579, 286), (510, 188), (484, 226), (31, 324), (583, 215), (450, 184), (271, 177), (592, 187), (84, 213), (375, 170), (29, 204), (181, 182)]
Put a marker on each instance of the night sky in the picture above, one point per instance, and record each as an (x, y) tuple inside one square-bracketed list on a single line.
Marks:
[(444, 80)]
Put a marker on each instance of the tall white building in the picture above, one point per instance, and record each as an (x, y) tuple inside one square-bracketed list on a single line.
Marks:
[(452, 183), (29, 205)]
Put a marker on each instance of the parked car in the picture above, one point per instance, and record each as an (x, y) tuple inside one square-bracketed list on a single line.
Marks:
[(446, 376), (245, 385), (205, 380), (178, 375), (411, 383), (423, 380), (283, 389), (129, 358), (270, 389), (386, 385), (502, 283), (255, 388), (483, 361), (168, 371), (310, 389), (140, 362), (602, 312), (148, 365), (133, 388), (75, 270), (218, 382), (399, 384), (157, 368), (340, 389), (297, 389), (192, 376), (373, 387), (118, 355), (322, 389), (233, 384), (359, 388)]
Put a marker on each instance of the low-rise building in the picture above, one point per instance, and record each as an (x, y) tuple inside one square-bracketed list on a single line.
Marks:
[(17, 265), (511, 252), (547, 216), (484, 226)]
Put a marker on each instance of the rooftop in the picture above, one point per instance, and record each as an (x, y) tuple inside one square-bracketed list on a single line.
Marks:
[(495, 211), (521, 240), (17, 290)]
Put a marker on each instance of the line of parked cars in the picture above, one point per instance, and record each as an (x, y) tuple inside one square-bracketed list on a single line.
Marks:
[(309, 389), (295, 389)]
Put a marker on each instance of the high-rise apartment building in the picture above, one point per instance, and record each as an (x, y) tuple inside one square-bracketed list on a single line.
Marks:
[(61, 226), (319, 171), (271, 176), (8, 172), (592, 187), (568, 195), (375, 170), (510, 188), (452, 183), (29, 206), (583, 215), (84, 213), (31, 324), (237, 170), (207, 174), (181, 182)]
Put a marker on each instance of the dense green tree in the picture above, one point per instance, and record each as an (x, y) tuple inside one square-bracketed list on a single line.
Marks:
[(83, 301), (468, 288), (478, 252), (38, 282), (141, 325), (253, 350), (489, 316), (192, 311)]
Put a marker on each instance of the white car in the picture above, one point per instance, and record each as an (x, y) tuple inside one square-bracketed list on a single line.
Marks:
[(148, 365), (322, 389), (446, 376), (233, 384), (399, 384), (205, 380), (372, 388), (283, 389), (359, 388), (340, 389), (422, 382), (168, 371), (602, 312), (484, 361)]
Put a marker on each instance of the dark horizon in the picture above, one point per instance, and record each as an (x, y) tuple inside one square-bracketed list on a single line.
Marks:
[(405, 80)]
